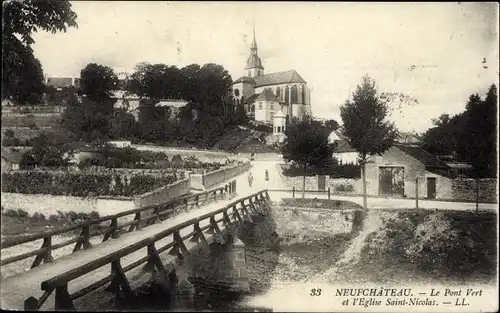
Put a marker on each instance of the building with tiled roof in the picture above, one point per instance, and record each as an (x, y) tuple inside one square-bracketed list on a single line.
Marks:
[(291, 93)]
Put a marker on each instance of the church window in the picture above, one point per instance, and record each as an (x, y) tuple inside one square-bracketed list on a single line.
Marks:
[(295, 96), (242, 99), (304, 95), (236, 92), (278, 94), (260, 105), (272, 107), (258, 73), (287, 95), (237, 101), (272, 114), (253, 108), (249, 75)]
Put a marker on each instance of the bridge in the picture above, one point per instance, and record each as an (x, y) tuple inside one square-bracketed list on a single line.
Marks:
[(156, 243)]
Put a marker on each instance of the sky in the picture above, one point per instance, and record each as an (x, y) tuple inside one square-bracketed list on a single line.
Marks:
[(432, 52)]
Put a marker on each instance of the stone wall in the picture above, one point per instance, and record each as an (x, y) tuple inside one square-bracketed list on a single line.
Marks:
[(337, 185), (48, 204), (465, 189), (163, 194), (221, 175)]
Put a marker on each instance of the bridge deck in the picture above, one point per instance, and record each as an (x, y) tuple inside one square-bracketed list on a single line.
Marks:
[(16, 289)]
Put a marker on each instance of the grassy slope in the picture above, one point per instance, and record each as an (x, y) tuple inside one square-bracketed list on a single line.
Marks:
[(424, 246)]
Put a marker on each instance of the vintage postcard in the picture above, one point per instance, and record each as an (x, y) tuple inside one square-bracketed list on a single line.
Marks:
[(249, 156)]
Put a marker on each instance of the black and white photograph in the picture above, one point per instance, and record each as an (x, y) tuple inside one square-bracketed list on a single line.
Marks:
[(249, 156)]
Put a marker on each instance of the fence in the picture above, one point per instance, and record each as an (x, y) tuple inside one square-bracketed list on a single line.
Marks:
[(142, 217), (180, 243)]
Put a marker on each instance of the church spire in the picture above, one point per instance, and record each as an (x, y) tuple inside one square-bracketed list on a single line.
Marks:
[(254, 43)]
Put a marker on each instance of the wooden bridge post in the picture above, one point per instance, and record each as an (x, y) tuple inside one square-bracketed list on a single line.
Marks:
[(114, 228), (120, 282), (293, 192), (197, 198), (186, 204), (328, 193), (45, 256), (63, 300)]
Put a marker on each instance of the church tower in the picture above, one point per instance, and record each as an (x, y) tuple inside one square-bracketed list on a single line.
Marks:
[(254, 66)]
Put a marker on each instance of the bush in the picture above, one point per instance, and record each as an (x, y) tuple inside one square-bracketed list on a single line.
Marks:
[(78, 184), (11, 213), (22, 213), (345, 188), (38, 216)]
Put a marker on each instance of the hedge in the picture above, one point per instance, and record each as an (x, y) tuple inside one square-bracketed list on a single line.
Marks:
[(335, 171), (80, 185)]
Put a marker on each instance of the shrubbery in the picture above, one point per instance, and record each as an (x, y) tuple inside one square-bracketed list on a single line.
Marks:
[(79, 185), (335, 171)]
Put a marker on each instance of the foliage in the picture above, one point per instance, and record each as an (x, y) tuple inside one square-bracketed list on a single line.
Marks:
[(22, 75), (469, 136), (335, 170), (48, 149), (76, 184), (306, 144), (365, 125), (364, 122), (331, 125), (97, 81)]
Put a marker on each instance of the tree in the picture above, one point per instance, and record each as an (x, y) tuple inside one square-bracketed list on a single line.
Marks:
[(477, 144), (48, 149), (331, 125), (22, 76), (365, 125), (97, 81), (306, 144)]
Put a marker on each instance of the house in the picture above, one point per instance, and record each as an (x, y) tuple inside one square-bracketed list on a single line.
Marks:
[(61, 82), (408, 138), (343, 152), (120, 143), (175, 106), (397, 172), (11, 160)]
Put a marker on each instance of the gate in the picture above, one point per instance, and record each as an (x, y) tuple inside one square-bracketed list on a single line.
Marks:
[(321, 182)]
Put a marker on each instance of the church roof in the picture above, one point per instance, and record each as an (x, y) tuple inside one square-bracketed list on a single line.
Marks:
[(278, 78), (266, 95), (251, 99), (244, 79)]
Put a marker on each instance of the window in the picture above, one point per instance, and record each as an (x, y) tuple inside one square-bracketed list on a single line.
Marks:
[(272, 114), (295, 95), (253, 108), (258, 73), (249, 75), (236, 92), (287, 95), (272, 107), (391, 181), (260, 105), (278, 93)]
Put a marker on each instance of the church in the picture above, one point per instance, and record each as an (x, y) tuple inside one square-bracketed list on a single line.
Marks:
[(271, 98)]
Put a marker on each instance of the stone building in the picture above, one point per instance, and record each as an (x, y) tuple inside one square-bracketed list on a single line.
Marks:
[(264, 95)]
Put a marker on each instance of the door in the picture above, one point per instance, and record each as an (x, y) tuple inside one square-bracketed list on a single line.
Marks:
[(431, 188), (321, 182), (391, 181)]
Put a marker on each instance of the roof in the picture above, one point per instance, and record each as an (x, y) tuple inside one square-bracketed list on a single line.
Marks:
[(175, 103), (407, 138), (429, 160), (278, 78), (251, 99), (342, 144), (266, 95), (61, 81), (244, 79), (13, 156), (254, 61)]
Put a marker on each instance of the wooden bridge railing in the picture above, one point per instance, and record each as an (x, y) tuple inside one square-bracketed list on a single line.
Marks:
[(235, 212), (142, 217)]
